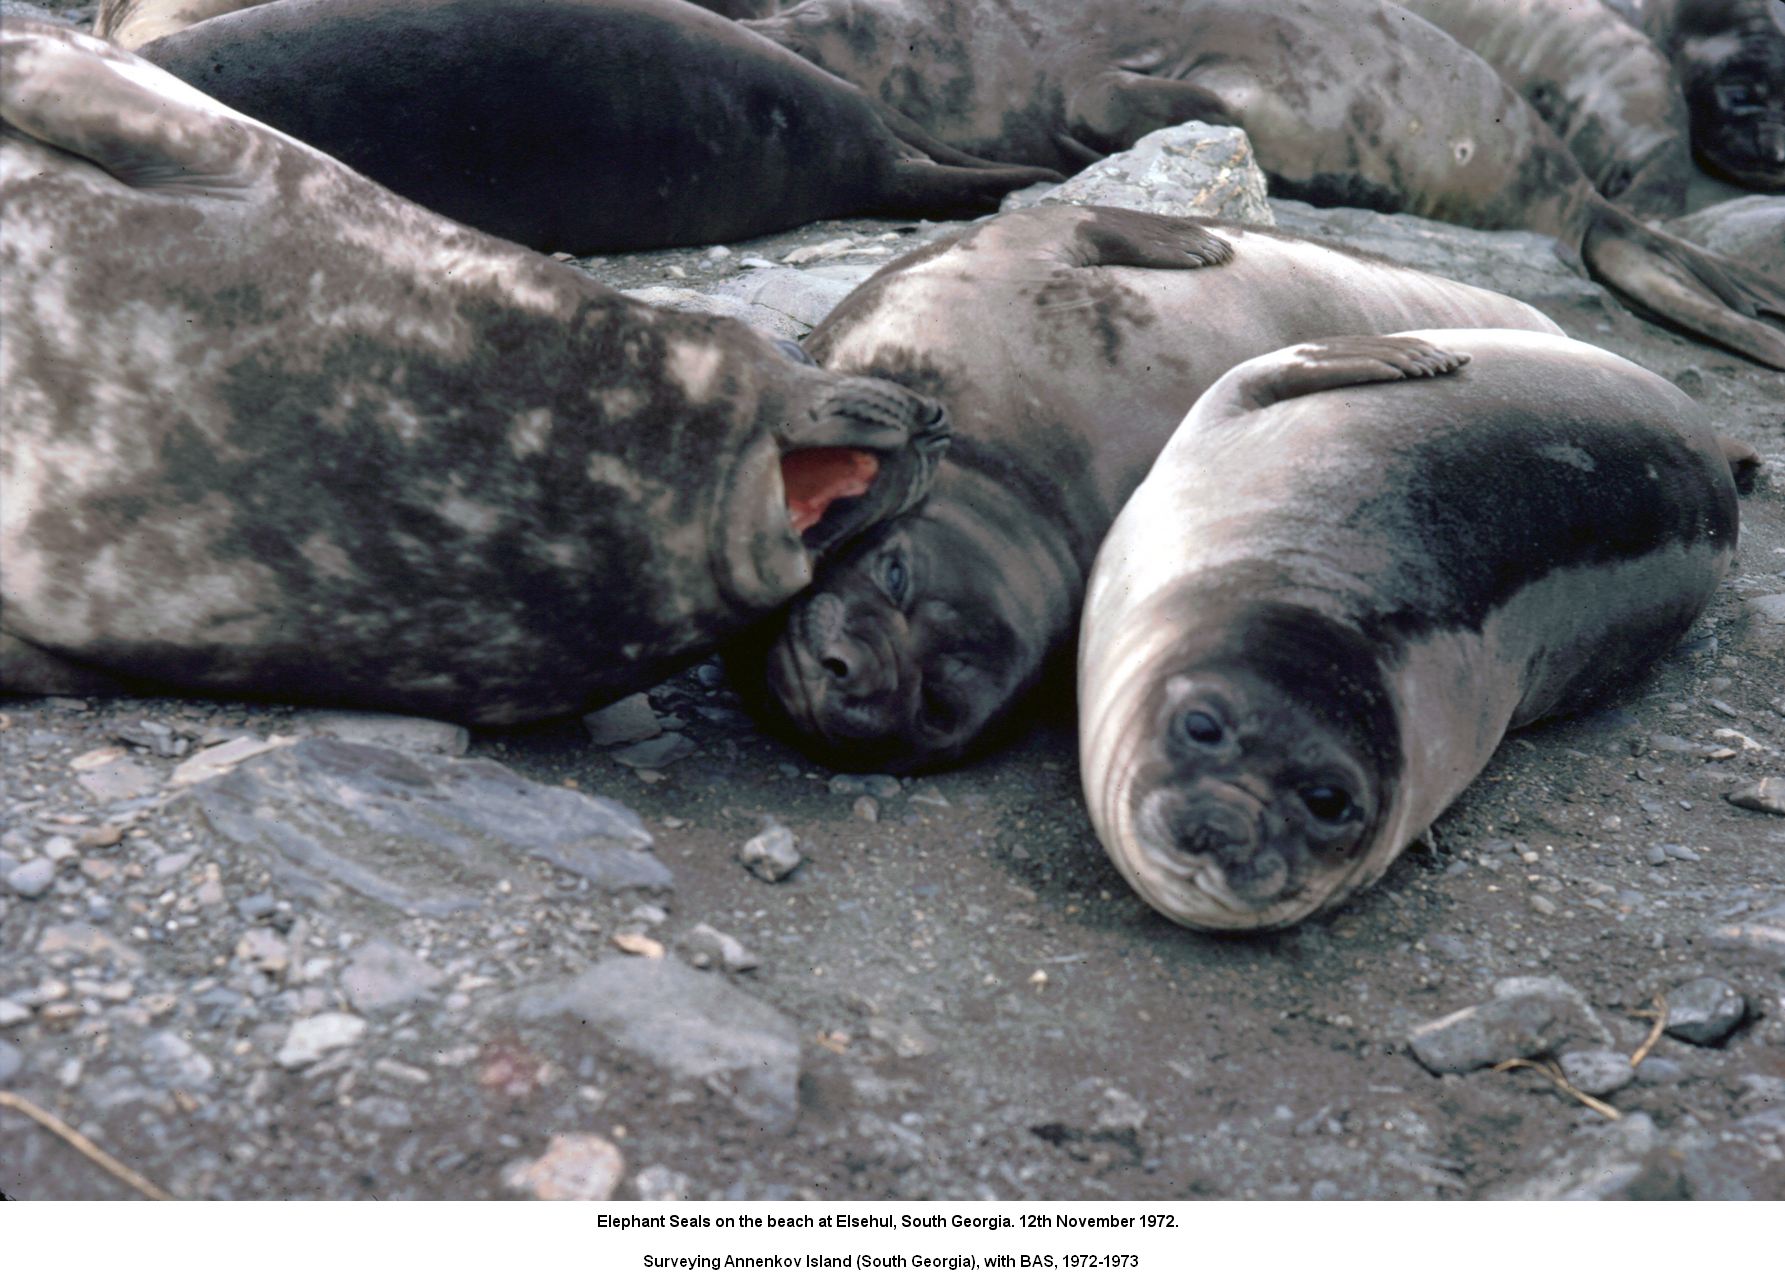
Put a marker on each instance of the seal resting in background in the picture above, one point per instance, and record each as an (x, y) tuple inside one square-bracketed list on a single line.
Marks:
[(1751, 229), (1601, 86), (133, 23), (578, 125), (1066, 343), (1346, 102), (1358, 563), (1730, 59), (272, 431)]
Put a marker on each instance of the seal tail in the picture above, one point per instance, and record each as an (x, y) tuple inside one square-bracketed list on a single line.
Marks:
[(1708, 295)]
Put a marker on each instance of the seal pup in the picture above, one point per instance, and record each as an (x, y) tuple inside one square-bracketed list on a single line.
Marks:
[(130, 24), (1730, 59), (274, 432), (1289, 667), (1346, 102), (1066, 343), (1600, 85), (643, 124)]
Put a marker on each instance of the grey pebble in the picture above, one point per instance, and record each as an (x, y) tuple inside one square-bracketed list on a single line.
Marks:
[(880, 786), (12, 1013), (310, 1039), (656, 753), (11, 1061), (705, 941), (1597, 1072), (1765, 796), (383, 975), (1543, 905), (258, 906), (1704, 1011), (772, 855), (1656, 854), (866, 808), (59, 849), (658, 1183), (32, 879), (845, 785), (1658, 1070), (1680, 853), (630, 720)]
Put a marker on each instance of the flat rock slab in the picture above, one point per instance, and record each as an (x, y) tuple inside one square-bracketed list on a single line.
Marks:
[(381, 729), (424, 835), (694, 1025)]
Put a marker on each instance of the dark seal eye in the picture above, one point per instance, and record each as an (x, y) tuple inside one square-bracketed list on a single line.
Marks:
[(1201, 728), (896, 579), (1329, 804)]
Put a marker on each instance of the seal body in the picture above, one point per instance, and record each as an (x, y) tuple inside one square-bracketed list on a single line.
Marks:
[(272, 431), (1750, 229), (1067, 343), (133, 23), (1289, 668), (1603, 88), (1346, 102), (1730, 59), (578, 125)]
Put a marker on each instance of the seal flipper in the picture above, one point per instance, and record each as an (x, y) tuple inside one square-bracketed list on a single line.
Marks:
[(1119, 236), (921, 186), (112, 110), (1318, 366), (1744, 462), (1112, 111), (1708, 295)]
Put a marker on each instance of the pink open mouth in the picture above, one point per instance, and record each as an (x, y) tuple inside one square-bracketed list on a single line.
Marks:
[(817, 477)]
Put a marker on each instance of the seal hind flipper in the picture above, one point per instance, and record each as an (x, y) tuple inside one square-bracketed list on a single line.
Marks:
[(111, 111), (1706, 294), (1311, 368), (1112, 111), (923, 186)]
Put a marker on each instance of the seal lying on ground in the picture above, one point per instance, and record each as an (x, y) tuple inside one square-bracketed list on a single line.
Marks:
[(1751, 229), (1289, 668), (133, 23), (1730, 59), (1346, 102), (580, 125), (272, 431), (1067, 343), (1601, 86)]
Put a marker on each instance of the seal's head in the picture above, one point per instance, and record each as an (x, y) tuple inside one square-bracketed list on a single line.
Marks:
[(1240, 777), (901, 655), (1734, 84)]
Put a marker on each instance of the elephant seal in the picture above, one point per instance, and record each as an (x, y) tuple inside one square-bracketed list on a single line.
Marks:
[(1600, 85), (1751, 229), (130, 24), (272, 431), (578, 125), (1288, 669), (1066, 343), (1730, 59), (1346, 102)]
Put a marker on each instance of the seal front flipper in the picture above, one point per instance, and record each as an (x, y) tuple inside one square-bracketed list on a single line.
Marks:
[(1112, 111), (112, 111), (1708, 295), (1118, 236), (1329, 364)]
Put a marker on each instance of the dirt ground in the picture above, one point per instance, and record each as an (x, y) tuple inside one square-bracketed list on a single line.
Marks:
[(978, 1005)]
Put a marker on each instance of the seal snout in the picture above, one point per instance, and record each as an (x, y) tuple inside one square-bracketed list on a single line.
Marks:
[(1219, 836)]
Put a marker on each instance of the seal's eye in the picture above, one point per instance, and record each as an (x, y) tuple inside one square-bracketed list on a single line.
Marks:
[(896, 579), (1201, 728), (1329, 804)]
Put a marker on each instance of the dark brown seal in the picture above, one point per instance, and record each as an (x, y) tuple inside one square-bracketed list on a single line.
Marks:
[(1346, 102), (1604, 89), (1067, 344), (1288, 669), (580, 125), (272, 431), (1730, 59)]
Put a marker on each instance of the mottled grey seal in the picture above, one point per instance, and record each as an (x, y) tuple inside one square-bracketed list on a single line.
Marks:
[(1751, 229), (1604, 89), (1288, 669), (1346, 102), (1067, 343), (272, 431), (133, 23), (580, 125), (1730, 59)]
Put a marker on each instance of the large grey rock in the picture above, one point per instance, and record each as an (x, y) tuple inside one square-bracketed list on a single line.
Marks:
[(382, 729), (382, 976), (1612, 1161), (1705, 1011), (1189, 170), (416, 833), (805, 296), (1528, 1016), (694, 1026)]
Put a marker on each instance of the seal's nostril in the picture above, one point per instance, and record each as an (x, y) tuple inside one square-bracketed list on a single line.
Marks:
[(836, 667)]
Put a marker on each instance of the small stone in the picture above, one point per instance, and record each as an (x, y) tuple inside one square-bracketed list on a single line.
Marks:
[(866, 808), (11, 1062), (382, 729), (265, 949), (1543, 905), (173, 863), (818, 251), (119, 780), (638, 944), (575, 1168), (930, 796), (1765, 796), (60, 849), (1656, 1071), (151, 736), (1704, 1011), (1771, 608), (257, 906), (104, 837), (845, 785), (771, 856), (1680, 853), (881, 786), (98, 869), (210, 894), (213, 761), (383, 975), (656, 753), (722, 948), (630, 720), (314, 1037), (98, 758), (647, 914), (658, 1183), (33, 879), (1656, 854), (1528, 1016), (59, 1015), (1597, 1072), (12, 1014)]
